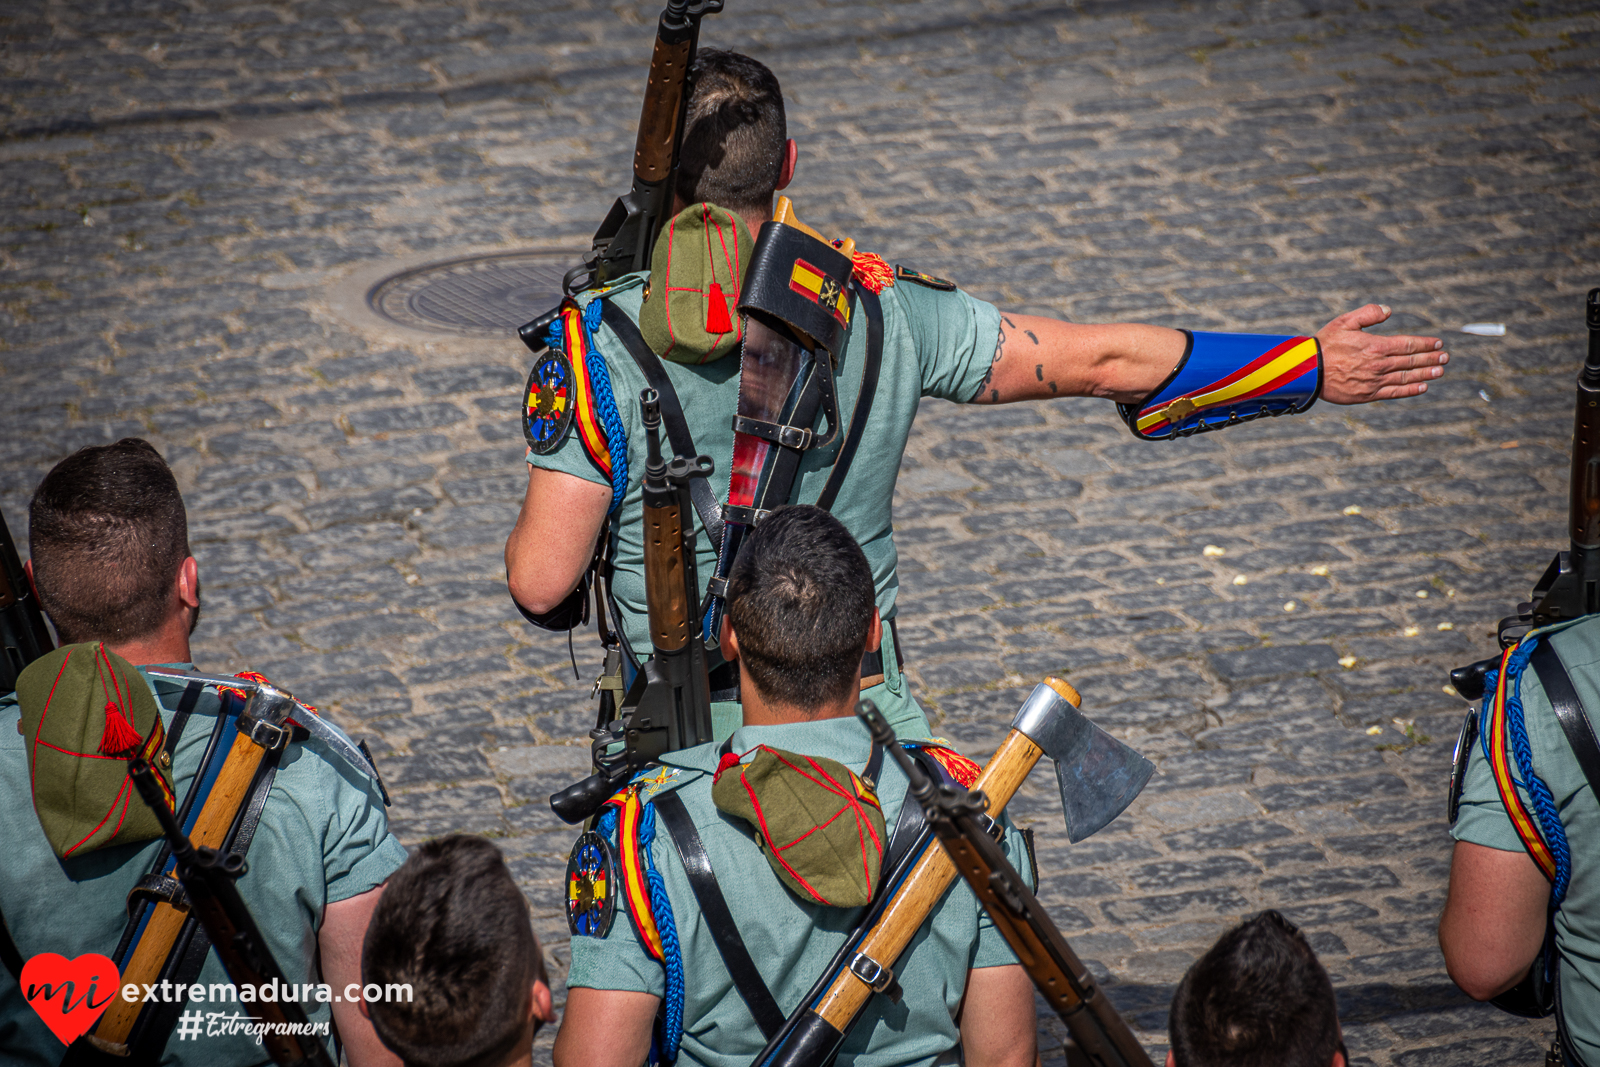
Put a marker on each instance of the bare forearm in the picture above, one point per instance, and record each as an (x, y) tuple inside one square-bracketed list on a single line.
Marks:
[(1039, 358)]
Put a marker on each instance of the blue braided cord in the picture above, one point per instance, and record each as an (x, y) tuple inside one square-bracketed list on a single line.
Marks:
[(605, 405), (663, 1045), (1544, 804), (672, 1003)]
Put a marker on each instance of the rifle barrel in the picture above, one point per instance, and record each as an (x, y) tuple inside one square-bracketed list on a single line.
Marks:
[(1585, 522)]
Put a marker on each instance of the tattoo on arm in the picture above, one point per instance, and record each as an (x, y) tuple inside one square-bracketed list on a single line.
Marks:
[(986, 393)]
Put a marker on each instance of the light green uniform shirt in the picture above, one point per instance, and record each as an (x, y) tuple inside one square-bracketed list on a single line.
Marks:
[(935, 343), (1483, 821), (323, 838), (791, 941)]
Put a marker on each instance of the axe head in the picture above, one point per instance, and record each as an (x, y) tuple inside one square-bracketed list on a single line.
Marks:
[(1098, 775)]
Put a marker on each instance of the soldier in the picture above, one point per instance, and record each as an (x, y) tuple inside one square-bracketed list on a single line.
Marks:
[(935, 341), (1521, 924), (790, 816), (111, 563)]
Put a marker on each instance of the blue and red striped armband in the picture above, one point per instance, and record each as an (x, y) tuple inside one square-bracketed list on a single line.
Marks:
[(1224, 378)]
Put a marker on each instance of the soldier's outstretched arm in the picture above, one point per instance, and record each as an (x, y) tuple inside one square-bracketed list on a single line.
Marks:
[(1039, 358), (553, 541)]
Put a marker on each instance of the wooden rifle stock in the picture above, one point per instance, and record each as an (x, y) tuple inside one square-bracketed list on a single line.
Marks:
[(1099, 1033), (813, 1034), (627, 236), (669, 705)]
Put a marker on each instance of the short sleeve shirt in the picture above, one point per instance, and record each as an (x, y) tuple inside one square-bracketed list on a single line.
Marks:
[(323, 837), (1483, 821), (791, 940), (935, 343)]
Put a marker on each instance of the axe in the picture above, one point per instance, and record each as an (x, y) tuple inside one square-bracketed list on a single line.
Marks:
[(1099, 777)]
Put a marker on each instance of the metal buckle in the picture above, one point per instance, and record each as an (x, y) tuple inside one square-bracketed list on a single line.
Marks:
[(796, 437), (877, 977), (265, 734), (717, 587), (747, 516)]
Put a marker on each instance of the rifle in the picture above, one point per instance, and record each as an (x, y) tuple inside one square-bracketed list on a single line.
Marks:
[(668, 707), (1570, 587), (1096, 1028), (208, 881), (627, 236), (1099, 767), (23, 634)]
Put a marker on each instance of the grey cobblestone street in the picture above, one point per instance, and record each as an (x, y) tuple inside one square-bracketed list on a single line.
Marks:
[(195, 196)]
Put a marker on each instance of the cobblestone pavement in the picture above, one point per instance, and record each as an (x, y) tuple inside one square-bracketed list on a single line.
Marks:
[(193, 188)]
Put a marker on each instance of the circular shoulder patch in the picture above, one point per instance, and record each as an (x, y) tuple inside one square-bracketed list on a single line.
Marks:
[(591, 886), (548, 402)]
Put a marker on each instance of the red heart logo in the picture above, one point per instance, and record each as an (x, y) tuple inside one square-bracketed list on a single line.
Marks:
[(69, 995)]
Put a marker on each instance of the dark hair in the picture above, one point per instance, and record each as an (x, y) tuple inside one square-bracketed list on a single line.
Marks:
[(800, 599), (107, 532), (453, 924), (1258, 998), (734, 134)]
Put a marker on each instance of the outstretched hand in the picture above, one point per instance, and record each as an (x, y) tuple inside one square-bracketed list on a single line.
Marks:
[(1358, 367)]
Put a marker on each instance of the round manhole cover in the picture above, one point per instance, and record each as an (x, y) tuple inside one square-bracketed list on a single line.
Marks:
[(481, 296)]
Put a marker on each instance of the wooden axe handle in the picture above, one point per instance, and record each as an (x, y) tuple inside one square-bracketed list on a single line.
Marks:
[(210, 830), (784, 213), (925, 885)]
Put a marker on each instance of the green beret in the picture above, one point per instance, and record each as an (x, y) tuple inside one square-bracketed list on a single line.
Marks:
[(85, 713), (696, 270), (820, 826)]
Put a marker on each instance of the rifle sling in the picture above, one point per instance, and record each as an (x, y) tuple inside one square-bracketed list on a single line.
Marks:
[(747, 980), (873, 307), (1569, 711), (677, 427)]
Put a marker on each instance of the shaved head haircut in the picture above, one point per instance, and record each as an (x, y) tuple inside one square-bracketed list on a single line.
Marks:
[(734, 133), (107, 532), (800, 600)]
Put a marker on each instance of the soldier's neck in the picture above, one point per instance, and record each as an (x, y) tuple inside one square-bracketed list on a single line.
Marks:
[(759, 711), (169, 644)]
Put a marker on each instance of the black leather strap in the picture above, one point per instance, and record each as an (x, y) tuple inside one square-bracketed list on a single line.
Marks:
[(8, 952), (817, 391), (678, 436), (912, 821), (1569, 710), (872, 662), (180, 715), (873, 306), (724, 933)]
